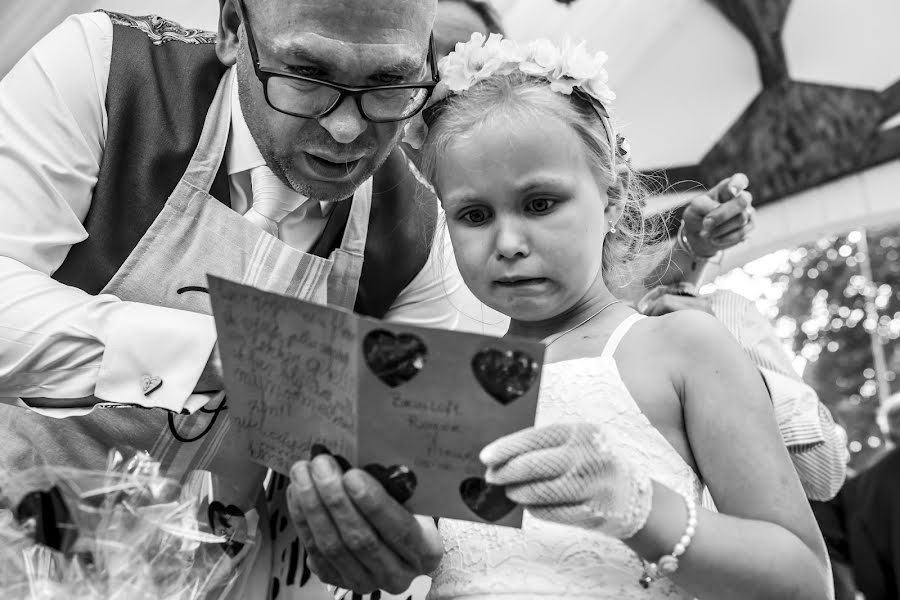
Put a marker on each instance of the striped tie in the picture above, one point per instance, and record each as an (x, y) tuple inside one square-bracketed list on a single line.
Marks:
[(272, 200)]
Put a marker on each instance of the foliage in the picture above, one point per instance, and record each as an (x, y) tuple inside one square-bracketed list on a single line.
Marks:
[(826, 309)]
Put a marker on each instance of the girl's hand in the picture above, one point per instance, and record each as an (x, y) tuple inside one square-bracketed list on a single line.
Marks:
[(570, 474)]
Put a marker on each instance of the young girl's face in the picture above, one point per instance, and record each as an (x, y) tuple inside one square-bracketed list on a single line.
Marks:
[(526, 215)]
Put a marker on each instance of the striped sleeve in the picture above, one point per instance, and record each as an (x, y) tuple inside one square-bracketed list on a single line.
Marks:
[(796, 410), (822, 467), (816, 446)]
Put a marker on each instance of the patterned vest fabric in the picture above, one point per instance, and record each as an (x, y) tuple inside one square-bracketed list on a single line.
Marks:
[(161, 83)]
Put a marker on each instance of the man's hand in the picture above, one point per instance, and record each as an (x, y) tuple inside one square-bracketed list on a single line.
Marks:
[(720, 218), (356, 536), (663, 300)]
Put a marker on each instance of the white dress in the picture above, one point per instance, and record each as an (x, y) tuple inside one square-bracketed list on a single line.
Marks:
[(547, 560)]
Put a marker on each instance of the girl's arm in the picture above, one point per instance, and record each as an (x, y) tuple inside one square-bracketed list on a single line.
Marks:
[(764, 544)]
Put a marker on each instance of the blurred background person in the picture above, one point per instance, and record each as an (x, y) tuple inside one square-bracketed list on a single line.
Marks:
[(861, 525), (457, 20)]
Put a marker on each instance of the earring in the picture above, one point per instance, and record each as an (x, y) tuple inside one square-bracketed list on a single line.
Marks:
[(612, 227)]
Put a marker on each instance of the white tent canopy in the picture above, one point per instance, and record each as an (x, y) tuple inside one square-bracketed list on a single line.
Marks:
[(682, 72)]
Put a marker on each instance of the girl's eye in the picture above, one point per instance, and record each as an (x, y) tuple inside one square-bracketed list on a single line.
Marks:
[(541, 205), (475, 216)]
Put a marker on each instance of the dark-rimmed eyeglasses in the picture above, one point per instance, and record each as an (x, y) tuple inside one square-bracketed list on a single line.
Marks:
[(312, 98)]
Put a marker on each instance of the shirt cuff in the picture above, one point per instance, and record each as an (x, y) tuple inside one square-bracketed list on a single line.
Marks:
[(796, 410), (154, 356)]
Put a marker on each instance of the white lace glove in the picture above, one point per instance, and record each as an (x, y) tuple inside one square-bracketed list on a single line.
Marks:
[(568, 473)]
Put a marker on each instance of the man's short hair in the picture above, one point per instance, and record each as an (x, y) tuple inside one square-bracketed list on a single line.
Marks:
[(486, 12)]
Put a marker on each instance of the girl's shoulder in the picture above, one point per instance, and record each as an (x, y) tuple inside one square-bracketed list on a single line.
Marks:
[(677, 343), (689, 331)]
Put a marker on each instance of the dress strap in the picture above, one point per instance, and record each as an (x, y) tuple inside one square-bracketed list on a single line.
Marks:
[(613, 342)]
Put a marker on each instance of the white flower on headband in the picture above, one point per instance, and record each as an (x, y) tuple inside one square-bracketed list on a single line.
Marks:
[(565, 67)]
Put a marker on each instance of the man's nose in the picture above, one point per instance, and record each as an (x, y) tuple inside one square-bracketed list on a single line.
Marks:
[(345, 123)]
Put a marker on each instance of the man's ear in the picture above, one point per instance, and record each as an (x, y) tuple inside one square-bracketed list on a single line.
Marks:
[(228, 41), (618, 194)]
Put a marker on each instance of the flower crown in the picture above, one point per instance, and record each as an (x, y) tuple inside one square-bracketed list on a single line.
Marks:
[(570, 69)]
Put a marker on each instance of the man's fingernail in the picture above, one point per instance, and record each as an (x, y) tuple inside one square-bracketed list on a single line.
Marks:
[(735, 191), (354, 483), (323, 467), (296, 470)]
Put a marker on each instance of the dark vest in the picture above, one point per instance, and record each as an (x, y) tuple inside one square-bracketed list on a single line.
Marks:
[(161, 83)]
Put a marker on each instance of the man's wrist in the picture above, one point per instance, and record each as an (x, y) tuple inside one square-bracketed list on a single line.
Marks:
[(697, 260), (684, 243)]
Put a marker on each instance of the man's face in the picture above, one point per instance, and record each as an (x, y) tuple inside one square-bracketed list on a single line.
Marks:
[(349, 42)]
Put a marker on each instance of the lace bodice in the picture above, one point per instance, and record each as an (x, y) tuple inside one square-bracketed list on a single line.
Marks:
[(544, 559)]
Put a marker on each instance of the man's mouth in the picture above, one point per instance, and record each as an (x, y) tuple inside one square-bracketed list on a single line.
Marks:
[(331, 167)]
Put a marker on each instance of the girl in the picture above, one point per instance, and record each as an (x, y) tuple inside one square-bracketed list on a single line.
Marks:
[(637, 415)]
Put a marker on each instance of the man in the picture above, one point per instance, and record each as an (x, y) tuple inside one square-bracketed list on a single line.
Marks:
[(817, 448), (861, 524), (106, 156), (135, 158)]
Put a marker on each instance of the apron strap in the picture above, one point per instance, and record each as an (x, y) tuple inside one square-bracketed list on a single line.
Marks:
[(354, 240), (210, 150)]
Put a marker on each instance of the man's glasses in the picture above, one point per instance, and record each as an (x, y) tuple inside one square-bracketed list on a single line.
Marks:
[(312, 98)]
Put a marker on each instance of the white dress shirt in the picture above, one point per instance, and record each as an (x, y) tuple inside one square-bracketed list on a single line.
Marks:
[(59, 342)]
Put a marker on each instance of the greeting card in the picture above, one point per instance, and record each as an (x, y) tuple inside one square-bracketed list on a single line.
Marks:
[(412, 406)]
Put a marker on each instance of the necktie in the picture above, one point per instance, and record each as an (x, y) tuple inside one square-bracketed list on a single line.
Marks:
[(272, 200)]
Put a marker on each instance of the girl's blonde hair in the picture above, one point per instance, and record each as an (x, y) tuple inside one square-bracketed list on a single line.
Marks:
[(638, 243)]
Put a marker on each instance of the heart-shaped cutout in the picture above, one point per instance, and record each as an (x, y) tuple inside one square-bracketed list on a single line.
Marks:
[(505, 374), (398, 480), (394, 359), (150, 384), (485, 500), (228, 522), (317, 449)]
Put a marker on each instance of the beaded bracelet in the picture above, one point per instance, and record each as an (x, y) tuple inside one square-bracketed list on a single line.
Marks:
[(668, 564)]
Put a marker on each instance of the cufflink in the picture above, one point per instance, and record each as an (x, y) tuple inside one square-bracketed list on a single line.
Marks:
[(150, 384)]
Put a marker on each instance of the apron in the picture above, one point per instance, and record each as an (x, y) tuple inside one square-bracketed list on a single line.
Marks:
[(193, 235)]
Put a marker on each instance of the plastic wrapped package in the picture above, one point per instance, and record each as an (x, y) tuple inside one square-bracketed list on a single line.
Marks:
[(126, 533)]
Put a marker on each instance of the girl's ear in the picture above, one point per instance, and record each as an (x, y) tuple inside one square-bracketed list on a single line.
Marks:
[(617, 194)]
